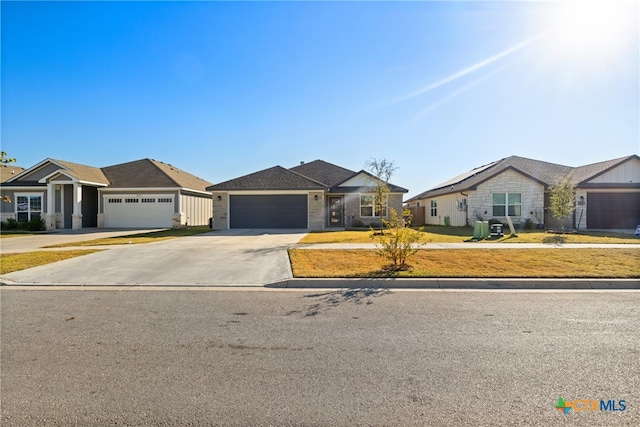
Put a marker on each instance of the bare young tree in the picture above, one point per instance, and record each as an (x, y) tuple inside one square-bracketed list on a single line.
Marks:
[(382, 170)]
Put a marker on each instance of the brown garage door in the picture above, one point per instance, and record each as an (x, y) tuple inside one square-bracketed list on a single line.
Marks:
[(613, 210)]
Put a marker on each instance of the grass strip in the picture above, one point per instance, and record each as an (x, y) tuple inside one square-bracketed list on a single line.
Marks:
[(520, 263), (440, 234), (140, 238), (21, 261)]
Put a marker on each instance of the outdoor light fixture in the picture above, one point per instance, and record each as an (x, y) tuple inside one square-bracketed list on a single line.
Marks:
[(315, 197), (219, 198)]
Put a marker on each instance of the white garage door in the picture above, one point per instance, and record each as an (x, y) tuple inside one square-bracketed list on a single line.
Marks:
[(143, 211)]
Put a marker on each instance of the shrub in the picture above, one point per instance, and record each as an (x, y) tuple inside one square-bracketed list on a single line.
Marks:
[(10, 224), (36, 224), (357, 223), (398, 242)]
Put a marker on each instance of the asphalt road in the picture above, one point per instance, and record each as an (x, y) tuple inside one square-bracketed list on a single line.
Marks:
[(315, 357)]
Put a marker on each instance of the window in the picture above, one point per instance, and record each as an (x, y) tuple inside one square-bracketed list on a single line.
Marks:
[(131, 200), (368, 204), (507, 204), (115, 200), (165, 200), (434, 208), (28, 206), (148, 200)]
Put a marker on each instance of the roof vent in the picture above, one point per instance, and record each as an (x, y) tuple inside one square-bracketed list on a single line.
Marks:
[(302, 163)]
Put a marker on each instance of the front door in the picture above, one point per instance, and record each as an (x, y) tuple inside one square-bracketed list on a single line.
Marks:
[(335, 212)]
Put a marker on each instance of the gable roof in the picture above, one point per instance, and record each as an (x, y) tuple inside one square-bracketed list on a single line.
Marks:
[(324, 172), (8, 171), (543, 172), (275, 178), (83, 172), (316, 175), (145, 173), (148, 173)]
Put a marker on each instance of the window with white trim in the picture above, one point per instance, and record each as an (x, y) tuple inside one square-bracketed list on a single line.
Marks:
[(148, 200), (115, 200), (28, 206), (507, 204), (368, 205), (165, 200), (434, 208), (131, 200)]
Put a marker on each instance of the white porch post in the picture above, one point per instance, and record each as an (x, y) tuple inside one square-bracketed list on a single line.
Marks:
[(76, 218), (50, 216)]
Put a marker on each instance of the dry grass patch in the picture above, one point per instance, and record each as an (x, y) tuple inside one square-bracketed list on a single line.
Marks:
[(523, 263), (21, 261), (440, 234), (154, 236)]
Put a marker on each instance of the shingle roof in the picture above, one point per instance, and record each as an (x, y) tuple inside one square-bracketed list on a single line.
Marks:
[(8, 171), (275, 178), (544, 172), (147, 173), (83, 172), (324, 172)]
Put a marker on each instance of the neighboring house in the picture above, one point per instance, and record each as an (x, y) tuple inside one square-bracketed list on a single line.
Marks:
[(8, 171), (140, 194), (315, 195), (607, 194)]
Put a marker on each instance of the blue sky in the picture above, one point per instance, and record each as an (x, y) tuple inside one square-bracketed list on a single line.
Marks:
[(224, 89)]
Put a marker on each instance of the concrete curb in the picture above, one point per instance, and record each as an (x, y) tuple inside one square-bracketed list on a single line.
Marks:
[(451, 283)]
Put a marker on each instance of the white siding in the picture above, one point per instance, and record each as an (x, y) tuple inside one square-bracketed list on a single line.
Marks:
[(196, 210), (625, 173)]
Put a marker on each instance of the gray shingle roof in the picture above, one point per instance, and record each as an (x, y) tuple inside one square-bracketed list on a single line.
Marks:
[(324, 172), (316, 175), (544, 172), (275, 178)]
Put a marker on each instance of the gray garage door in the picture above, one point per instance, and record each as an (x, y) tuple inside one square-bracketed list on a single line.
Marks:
[(613, 210), (268, 211)]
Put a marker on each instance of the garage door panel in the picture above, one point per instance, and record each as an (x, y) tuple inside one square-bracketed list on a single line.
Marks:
[(144, 211), (613, 210), (268, 211)]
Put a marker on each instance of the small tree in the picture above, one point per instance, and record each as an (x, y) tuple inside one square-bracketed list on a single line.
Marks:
[(397, 242), (382, 170), (562, 201)]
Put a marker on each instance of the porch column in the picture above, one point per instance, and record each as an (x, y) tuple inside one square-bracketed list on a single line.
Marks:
[(76, 218), (50, 217)]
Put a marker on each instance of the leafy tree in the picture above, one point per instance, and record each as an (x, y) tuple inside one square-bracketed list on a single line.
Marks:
[(4, 159), (398, 241), (562, 201)]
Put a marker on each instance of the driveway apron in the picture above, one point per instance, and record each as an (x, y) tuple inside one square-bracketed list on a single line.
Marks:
[(239, 257)]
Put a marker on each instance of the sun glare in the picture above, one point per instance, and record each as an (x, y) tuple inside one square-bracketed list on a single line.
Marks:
[(593, 29)]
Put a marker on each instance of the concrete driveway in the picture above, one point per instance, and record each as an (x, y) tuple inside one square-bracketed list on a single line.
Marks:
[(238, 257)]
